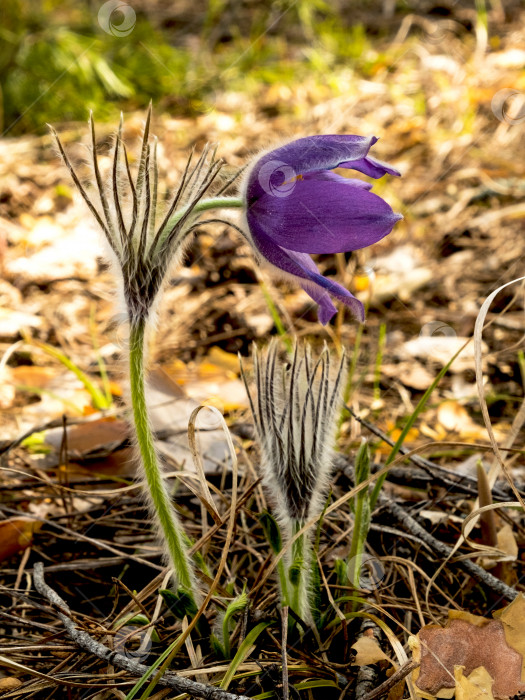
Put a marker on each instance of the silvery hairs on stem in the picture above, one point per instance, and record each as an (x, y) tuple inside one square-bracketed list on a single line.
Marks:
[(295, 414), (143, 244)]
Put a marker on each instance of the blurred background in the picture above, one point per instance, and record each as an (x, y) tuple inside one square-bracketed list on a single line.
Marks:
[(442, 83), (59, 59)]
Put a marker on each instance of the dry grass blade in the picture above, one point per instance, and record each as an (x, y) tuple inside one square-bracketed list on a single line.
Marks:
[(478, 332), (197, 461)]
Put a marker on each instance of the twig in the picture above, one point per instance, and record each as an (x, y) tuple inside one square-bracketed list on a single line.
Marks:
[(284, 619), (440, 548), (445, 551), (83, 640), (394, 679)]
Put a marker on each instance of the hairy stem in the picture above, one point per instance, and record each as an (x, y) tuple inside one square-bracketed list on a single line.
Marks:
[(206, 205), (170, 528), (281, 570), (299, 575)]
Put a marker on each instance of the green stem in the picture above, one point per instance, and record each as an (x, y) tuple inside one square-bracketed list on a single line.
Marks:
[(206, 205), (298, 575), (219, 203), (170, 527), (284, 585)]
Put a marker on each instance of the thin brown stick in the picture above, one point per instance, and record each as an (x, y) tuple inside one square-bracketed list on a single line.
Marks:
[(394, 679), (284, 658), (477, 573)]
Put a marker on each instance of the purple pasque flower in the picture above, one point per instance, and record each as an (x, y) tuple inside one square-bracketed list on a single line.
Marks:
[(296, 206)]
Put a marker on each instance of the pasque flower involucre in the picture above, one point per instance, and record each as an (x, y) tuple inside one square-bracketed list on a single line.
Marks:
[(295, 413)]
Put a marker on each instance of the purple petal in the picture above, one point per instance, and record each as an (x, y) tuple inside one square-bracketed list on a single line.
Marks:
[(323, 152), (301, 267), (275, 172), (319, 295), (334, 177), (371, 167), (320, 216)]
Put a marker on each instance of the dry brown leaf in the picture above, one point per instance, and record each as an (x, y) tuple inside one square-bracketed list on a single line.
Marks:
[(477, 686), (86, 437), (11, 683), (455, 418), (411, 374), (226, 360), (513, 619), (476, 620), (35, 376), (462, 643), (16, 534), (507, 542), (368, 652)]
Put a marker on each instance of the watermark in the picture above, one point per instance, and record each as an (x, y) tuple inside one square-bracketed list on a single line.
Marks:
[(437, 334), (117, 18), (371, 571), (120, 321), (508, 105), (443, 34), (277, 178), (133, 641), (434, 329)]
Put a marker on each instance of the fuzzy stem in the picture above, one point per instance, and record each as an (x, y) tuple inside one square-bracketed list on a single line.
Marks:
[(298, 575), (281, 570), (206, 205), (171, 531), (362, 517), (219, 203)]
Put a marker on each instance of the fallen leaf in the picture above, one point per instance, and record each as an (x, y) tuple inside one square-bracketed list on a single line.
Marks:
[(368, 652), (411, 374), (16, 534), (440, 349), (455, 418), (477, 686), (12, 322), (11, 683), (34, 376), (226, 360), (89, 437), (507, 542), (462, 643), (513, 619)]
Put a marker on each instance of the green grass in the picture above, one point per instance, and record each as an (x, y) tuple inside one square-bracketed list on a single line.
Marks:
[(56, 62)]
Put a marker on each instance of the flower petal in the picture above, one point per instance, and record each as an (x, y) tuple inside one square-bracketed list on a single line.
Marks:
[(303, 269), (323, 216), (276, 171), (371, 167), (334, 177), (327, 308)]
